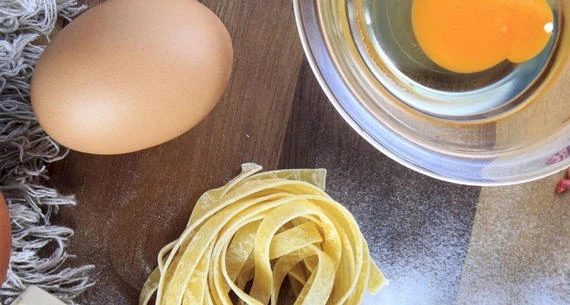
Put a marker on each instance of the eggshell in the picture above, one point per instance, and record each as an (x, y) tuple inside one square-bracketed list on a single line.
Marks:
[(131, 74), (5, 239)]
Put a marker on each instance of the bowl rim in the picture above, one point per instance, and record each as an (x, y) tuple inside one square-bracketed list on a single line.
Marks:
[(312, 47)]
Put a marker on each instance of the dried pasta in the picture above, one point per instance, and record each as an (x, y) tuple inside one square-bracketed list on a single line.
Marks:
[(245, 239)]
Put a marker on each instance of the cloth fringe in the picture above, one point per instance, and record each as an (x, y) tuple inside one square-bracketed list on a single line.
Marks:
[(38, 254)]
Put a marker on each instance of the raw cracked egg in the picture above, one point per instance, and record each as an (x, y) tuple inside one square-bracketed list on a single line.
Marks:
[(468, 36), (131, 74)]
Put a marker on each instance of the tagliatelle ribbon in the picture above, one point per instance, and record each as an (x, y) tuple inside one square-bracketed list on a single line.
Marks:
[(245, 239)]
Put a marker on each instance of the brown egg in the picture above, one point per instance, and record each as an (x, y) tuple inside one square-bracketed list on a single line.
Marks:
[(131, 74), (5, 239)]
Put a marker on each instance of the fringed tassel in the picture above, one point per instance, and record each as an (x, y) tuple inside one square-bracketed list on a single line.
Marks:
[(38, 248)]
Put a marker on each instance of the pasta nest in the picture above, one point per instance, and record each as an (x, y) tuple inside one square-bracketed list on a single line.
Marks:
[(246, 239)]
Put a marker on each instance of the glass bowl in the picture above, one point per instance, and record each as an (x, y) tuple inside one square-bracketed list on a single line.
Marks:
[(507, 125)]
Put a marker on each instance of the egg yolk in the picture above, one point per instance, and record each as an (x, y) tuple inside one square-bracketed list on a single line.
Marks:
[(467, 36)]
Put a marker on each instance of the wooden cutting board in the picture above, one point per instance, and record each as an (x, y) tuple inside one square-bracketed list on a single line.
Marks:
[(275, 114)]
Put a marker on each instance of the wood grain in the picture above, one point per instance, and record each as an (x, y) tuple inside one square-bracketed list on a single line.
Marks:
[(129, 206), (417, 228), (275, 114)]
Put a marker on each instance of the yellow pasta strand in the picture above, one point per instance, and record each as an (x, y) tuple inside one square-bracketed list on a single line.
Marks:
[(261, 229)]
